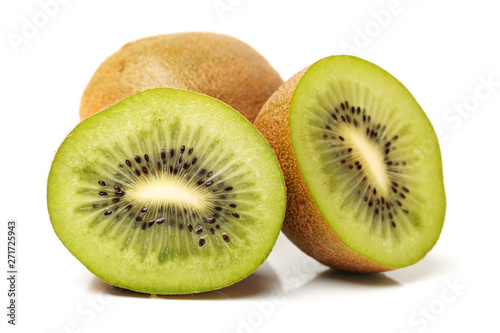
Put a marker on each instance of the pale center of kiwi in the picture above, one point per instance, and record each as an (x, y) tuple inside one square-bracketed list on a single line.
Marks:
[(369, 154), (164, 191)]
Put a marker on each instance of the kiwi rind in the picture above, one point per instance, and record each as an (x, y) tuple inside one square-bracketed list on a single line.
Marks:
[(313, 217), (123, 268), (217, 65)]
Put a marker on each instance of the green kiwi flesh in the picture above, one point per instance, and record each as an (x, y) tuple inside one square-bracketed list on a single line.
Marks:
[(167, 192), (370, 159)]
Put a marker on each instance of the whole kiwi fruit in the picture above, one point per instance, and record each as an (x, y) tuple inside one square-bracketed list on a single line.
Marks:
[(362, 166), (212, 64)]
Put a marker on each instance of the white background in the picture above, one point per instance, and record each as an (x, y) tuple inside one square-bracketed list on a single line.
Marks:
[(445, 52)]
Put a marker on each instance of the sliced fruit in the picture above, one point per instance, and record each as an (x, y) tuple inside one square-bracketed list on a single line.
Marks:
[(362, 166), (167, 192)]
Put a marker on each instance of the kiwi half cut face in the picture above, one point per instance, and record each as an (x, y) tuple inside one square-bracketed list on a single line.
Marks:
[(167, 192), (367, 185)]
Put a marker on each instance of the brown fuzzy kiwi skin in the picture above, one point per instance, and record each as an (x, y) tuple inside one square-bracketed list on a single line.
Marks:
[(212, 64), (304, 224)]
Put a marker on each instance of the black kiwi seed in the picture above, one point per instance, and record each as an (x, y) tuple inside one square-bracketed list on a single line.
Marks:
[(137, 158), (226, 238), (199, 230), (102, 183)]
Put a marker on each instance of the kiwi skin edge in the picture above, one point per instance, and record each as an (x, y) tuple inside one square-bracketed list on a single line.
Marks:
[(304, 224), (213, 64)]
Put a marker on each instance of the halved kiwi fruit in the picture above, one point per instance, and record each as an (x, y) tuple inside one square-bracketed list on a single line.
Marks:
[(217, 65), (362, 166), (167, 192)]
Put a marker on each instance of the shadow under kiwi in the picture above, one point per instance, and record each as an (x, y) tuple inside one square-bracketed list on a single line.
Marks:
[(261, 282), (429, 267), (370, 280)]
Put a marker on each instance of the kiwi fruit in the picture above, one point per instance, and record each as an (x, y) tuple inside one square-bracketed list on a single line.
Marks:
[(213, 64), (362, 166), (167, 192)]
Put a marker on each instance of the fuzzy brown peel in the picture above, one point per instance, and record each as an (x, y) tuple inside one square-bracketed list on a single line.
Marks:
[(212, 64)]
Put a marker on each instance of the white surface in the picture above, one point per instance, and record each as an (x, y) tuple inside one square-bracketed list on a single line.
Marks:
[(443, 51)]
